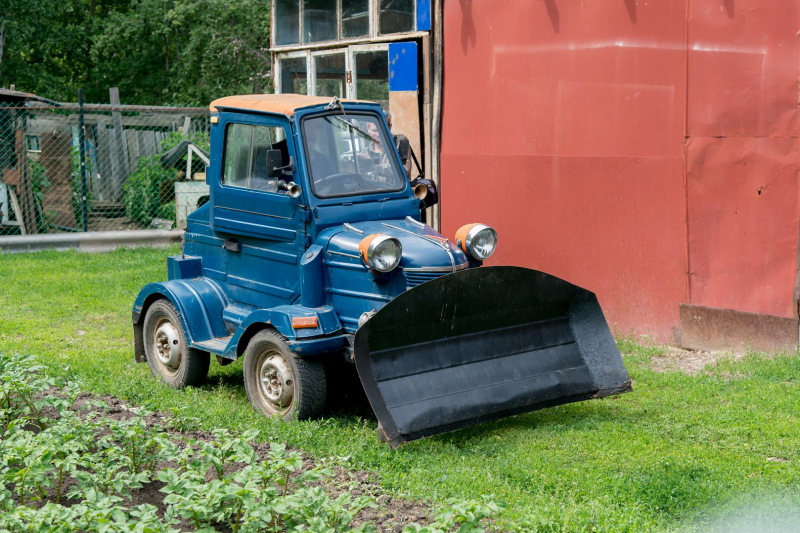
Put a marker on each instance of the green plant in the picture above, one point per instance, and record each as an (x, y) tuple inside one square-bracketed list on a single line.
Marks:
[(149, 193), (148, 189)]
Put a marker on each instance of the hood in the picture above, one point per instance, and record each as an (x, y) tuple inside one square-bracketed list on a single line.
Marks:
[(423, 247)]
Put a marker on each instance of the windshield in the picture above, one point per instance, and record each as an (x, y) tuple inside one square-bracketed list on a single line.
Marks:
[(349, 155)]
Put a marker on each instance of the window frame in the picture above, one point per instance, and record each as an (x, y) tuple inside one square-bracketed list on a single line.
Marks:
[(386, 135), (311, 73), (374, 29), (224, 159)]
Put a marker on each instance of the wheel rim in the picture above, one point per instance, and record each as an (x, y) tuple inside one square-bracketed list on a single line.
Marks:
[(167, 345), (275, 382)]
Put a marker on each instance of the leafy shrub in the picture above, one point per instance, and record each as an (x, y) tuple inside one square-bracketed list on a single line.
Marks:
[(149, 192), (47, 442)]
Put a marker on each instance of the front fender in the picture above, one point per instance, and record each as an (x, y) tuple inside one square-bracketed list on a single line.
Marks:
[(281, 319), (199, 303)]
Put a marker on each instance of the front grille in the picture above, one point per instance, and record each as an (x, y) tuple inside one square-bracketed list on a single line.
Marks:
[(419, 276)]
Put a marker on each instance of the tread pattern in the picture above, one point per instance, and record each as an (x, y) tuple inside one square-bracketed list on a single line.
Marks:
[(308, 373)]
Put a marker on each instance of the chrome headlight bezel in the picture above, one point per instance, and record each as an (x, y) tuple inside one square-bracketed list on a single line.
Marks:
[(467, 237), (371, 247)]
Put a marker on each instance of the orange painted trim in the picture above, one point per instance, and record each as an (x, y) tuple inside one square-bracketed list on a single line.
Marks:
[(461, 235), (301, 322), (284, 104), (363, 246)]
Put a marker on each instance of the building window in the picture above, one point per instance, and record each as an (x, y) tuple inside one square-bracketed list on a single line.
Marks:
[(372, 76), (287, 27), (397, 16), (293, 75), (331, 75), (355, 18), (319, 21), (32, 143)]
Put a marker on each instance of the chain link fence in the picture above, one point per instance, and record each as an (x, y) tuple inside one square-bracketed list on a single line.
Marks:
[(76, 167)]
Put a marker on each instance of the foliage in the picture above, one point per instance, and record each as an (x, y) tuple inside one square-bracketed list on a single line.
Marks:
[(185, 51), (107, 459), (149, 193), (148, 189)]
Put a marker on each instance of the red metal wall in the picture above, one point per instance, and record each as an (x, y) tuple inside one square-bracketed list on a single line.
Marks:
[(574, 128)]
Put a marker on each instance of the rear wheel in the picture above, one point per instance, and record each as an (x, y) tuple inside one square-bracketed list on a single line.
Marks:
[(279, 383), (170, 358)]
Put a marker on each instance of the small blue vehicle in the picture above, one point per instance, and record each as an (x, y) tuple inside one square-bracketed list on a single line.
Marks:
[(312, 250)]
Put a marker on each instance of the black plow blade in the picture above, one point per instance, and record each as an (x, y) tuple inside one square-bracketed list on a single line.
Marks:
[(484, 344)]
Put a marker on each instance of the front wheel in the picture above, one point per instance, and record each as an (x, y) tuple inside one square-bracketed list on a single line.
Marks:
[(170, 358), (279, 383)]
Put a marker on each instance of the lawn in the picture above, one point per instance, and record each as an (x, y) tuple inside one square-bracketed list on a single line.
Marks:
[(679, 453)]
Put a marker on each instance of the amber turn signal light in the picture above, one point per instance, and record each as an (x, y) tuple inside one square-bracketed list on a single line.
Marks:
[(300, 322)]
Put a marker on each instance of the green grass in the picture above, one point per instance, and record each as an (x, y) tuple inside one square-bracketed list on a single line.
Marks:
[(678, 453)]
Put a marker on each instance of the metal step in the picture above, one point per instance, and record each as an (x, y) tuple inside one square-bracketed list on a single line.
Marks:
[(216, 345)]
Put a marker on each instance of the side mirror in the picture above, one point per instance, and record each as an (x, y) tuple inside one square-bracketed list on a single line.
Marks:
[(403, 147), (274, 163), (425, 190)]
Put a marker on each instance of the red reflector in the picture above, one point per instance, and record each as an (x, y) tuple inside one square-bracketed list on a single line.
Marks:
[(300, 322)]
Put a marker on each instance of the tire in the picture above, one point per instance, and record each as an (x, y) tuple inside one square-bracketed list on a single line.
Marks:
[(166, 351), (279, 383)]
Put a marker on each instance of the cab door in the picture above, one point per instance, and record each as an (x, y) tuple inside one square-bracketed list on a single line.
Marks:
[(263, 228)]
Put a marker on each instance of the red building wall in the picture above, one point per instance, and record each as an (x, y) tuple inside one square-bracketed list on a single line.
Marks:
[(644, 150)]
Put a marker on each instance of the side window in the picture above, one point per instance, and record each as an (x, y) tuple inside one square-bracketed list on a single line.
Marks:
[(245, 163)]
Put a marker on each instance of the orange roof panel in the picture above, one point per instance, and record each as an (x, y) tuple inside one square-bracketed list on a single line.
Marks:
[(283, 104)]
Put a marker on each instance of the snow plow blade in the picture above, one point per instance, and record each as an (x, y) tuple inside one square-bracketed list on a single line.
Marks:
[(484, 344)]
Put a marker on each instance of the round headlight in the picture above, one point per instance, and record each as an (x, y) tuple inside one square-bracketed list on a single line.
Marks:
[(477, 240), (380, 252)]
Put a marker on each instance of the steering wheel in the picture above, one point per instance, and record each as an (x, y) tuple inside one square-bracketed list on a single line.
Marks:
[(341, 183)]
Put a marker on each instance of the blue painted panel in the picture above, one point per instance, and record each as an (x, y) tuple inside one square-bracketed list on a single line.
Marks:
[(403, 66), (423, 15)]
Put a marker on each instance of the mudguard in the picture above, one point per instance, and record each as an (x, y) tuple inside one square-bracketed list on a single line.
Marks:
[(483, 344)]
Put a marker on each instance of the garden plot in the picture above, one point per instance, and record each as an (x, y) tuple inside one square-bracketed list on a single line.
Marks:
[(71, 462)]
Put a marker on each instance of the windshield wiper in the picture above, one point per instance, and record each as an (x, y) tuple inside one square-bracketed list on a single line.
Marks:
[(335, 102), (359, 130)]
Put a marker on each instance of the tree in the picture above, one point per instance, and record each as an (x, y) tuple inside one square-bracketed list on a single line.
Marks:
[(186, 51), (47, 45), (155, 51)]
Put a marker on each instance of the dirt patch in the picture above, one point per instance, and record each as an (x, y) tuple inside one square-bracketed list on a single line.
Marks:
[(692, 362)]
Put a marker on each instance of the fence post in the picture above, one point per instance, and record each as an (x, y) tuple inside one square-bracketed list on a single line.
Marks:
[(82, 155), (120, 149)]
